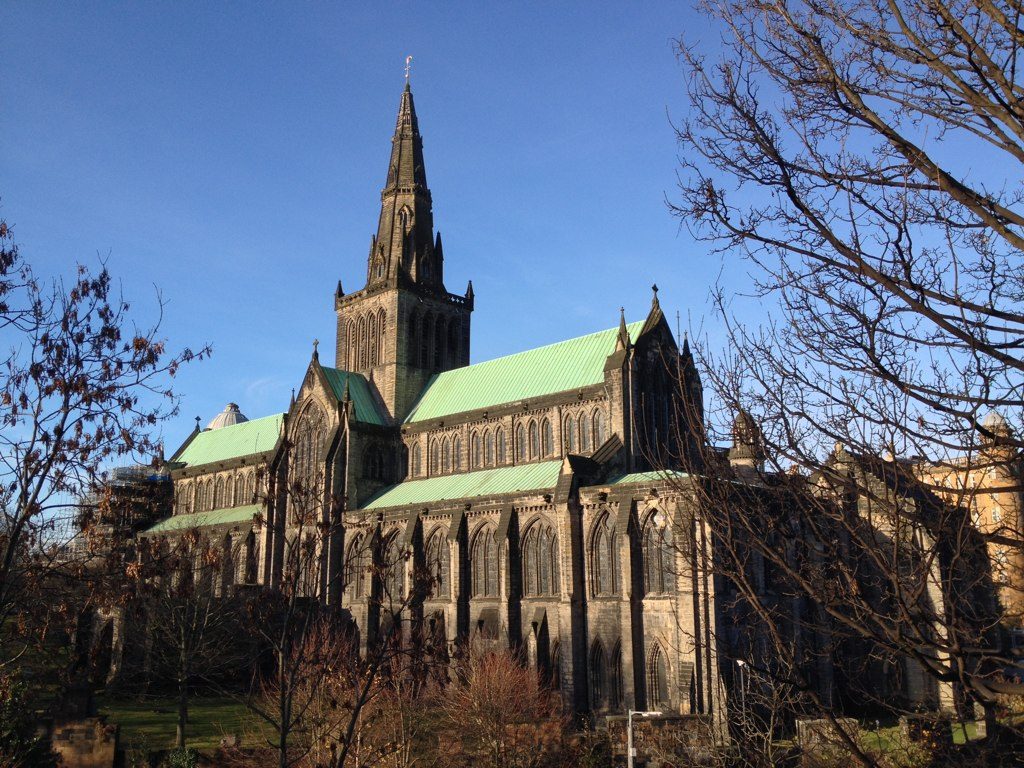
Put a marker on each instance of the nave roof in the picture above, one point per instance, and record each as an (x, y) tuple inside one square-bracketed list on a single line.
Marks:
[(564, 366)]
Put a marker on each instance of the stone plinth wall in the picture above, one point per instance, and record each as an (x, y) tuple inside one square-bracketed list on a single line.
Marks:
[(86, 743), (664, 739)]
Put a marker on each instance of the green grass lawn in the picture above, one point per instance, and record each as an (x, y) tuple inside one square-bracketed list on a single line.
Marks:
[(150, 723)]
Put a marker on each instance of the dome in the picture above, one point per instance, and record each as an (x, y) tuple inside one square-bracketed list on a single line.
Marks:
[(227, 418), (995, 423)]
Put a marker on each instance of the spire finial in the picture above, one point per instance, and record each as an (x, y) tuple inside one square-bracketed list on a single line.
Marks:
[(198, 419), (316, 354), (654, 298), (408, 67)]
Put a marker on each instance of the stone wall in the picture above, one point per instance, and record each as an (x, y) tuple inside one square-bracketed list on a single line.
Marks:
[(87, 743)]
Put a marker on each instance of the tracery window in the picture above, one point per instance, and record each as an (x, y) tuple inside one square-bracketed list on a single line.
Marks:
[(394, 572), (484, 563), (415, 460), (438, 564), (547, 438), (239, 494), (488, 448), (534, 440), (413, 339), (657, 678), (584, 424), (598, 666), (356, 563), (474, 450), (446, 456), (598, 428), (308, 442), (454, 341), (434, 457), (363, 341), (382, 317), (520, 443), (218, 494), (456, 454), (569, 434), (657, 556), (604, 559), (615, 678), (426, 332), (439, 336), (372, 345), (499, 440), (540, 561)]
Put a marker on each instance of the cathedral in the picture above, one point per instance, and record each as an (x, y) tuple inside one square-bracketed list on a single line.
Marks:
[(529, 487)]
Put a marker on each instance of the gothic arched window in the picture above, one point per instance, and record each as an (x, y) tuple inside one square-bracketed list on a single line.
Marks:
[(499, 440), (483, 566), (382, 318), (474, 451), (363, 342), (598, 667), (434, 457), (598, 428), (584, 424), (540, 561), (456, 454), (426, 333), (438, 564), (454, 342), (394, 572), (238, 497), (657, 555), (414, 460), (439, 338), (446, 456), (534, 440), (413, 338), (569, 434), (488, 448), (520, 443), (356, 564), (615, 678), (657, 678), (371, 345), (604, 558), (218, 494), (547, 438)]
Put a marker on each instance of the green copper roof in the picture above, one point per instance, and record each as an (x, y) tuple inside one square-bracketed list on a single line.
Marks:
[(560, 367), (366, 408), (486, 482), (655, 476), (201, 519), (245, 439)]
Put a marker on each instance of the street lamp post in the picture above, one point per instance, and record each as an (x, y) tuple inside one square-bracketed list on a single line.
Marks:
[(629, 733), (743, 689)]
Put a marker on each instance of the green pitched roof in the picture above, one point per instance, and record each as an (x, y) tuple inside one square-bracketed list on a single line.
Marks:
[(654, 476), (245, 439), (201, 519), (560, 367), (367, 410), (485, 482)]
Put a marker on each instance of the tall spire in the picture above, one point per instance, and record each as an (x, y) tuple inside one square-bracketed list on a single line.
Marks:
[(404, 248)]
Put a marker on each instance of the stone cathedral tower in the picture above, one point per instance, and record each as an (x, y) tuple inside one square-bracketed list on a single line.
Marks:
[(403, 326)]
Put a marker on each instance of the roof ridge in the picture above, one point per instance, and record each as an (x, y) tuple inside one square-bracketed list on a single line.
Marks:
[(637, 323)]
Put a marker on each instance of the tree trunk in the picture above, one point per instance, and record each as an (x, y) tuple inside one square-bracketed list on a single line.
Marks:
[(179, 740)]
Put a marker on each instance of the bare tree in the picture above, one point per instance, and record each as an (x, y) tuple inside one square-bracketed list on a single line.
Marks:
[(193, 618), (864, 158), (80, 385)]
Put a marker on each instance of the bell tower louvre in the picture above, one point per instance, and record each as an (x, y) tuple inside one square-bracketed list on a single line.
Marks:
[(403, 326)]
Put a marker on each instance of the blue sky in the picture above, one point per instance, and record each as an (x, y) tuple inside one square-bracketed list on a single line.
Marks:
[(232, 155)]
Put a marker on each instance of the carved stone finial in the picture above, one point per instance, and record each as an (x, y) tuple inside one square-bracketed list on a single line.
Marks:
[(316, 354)]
